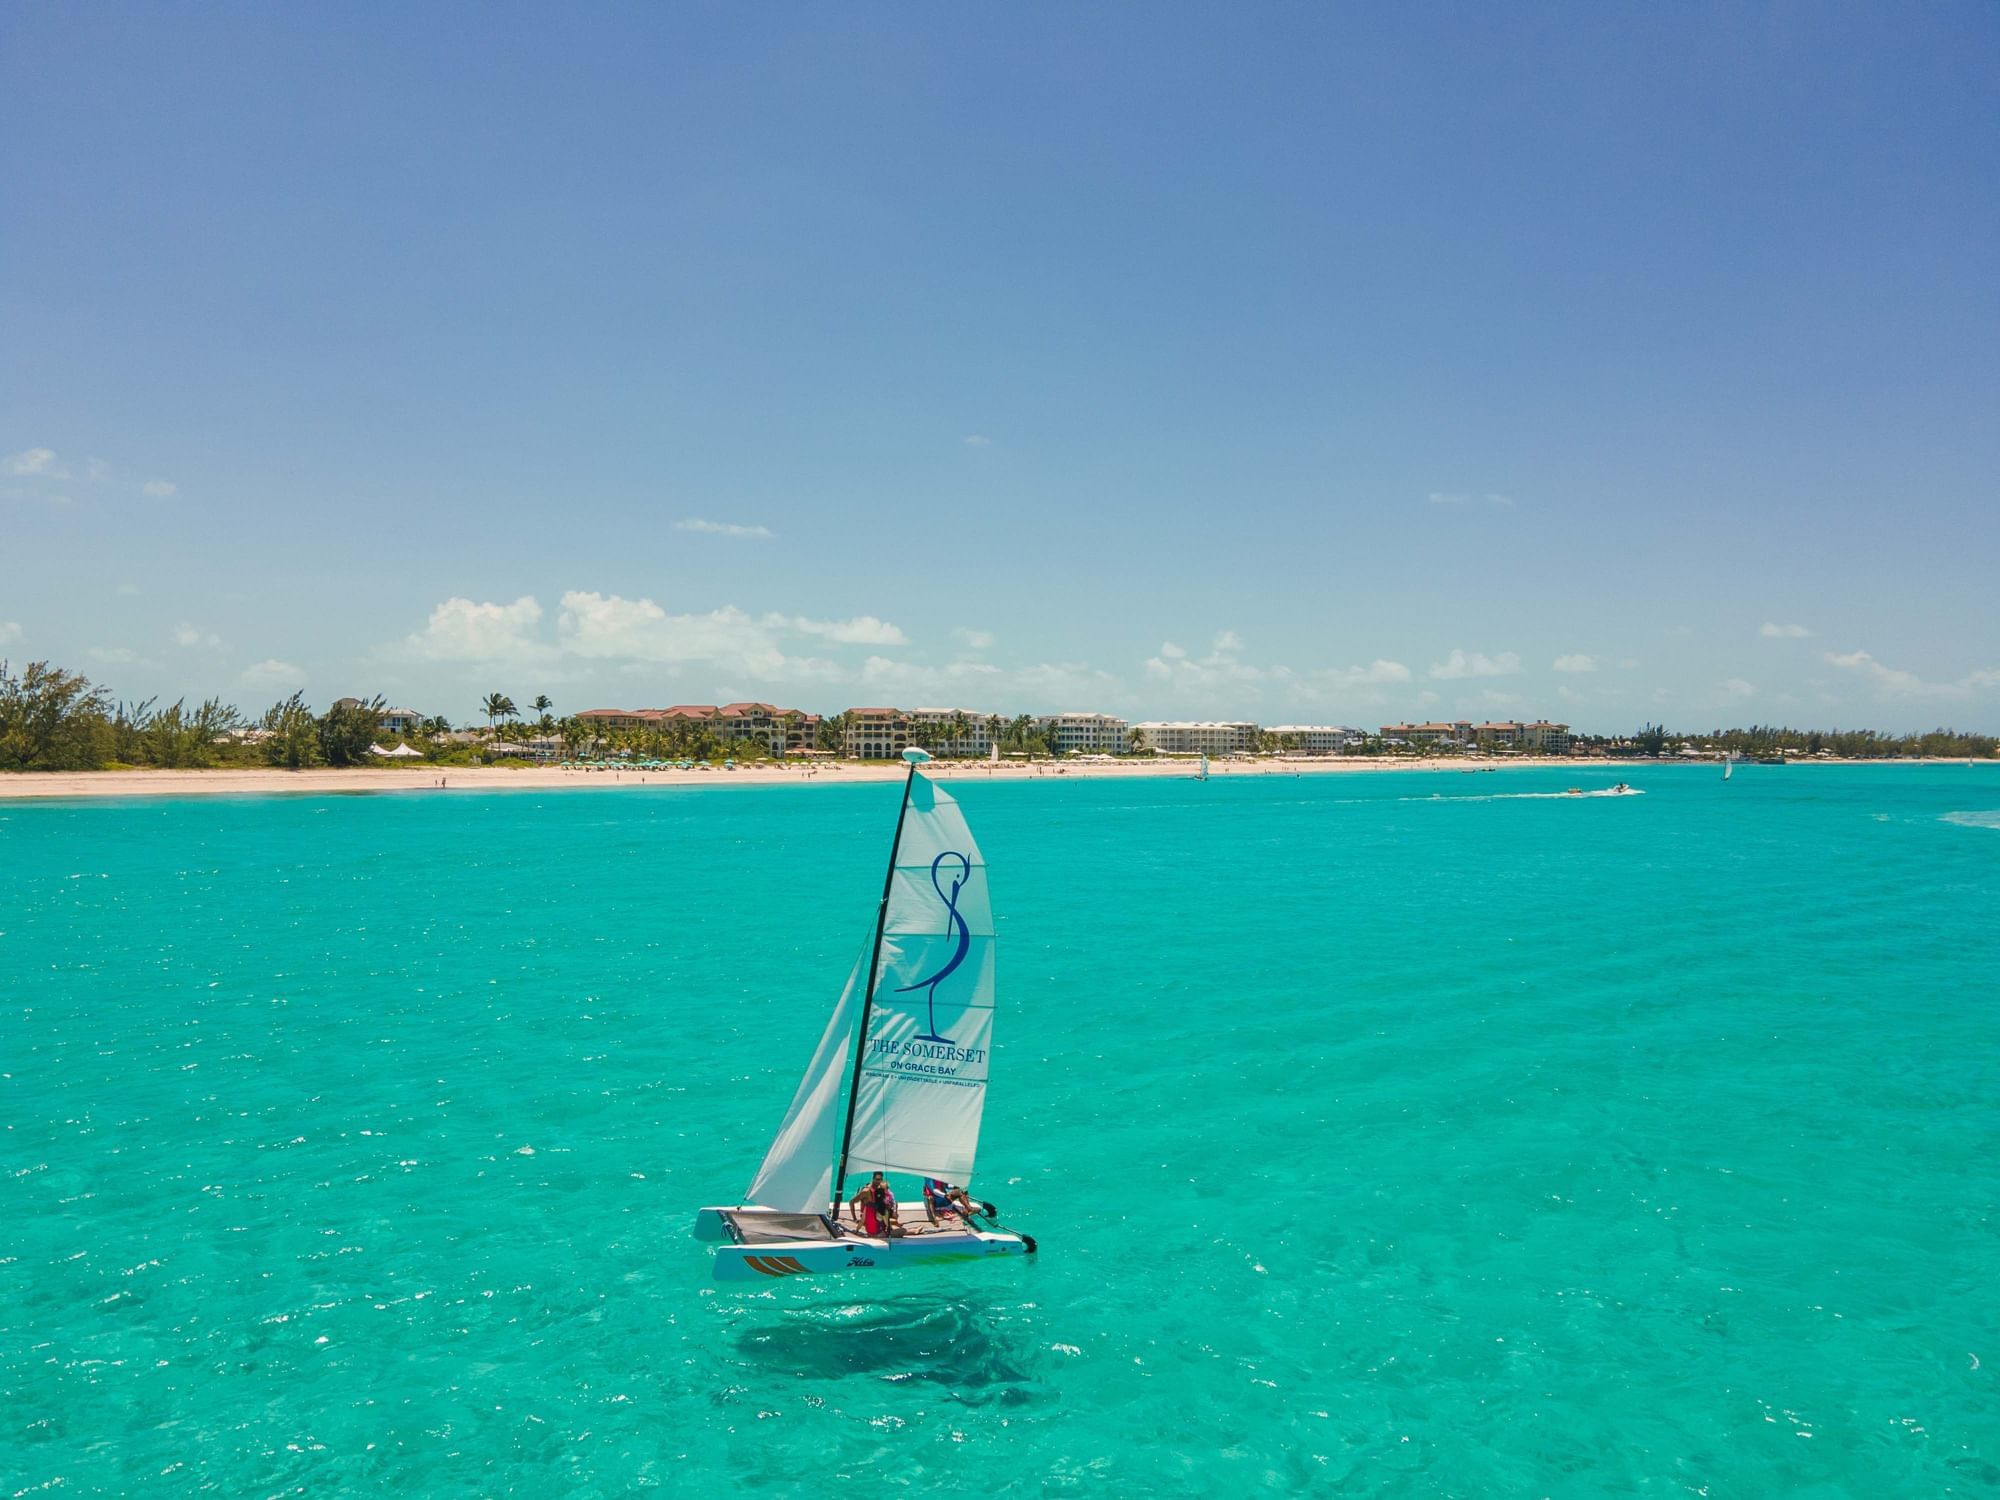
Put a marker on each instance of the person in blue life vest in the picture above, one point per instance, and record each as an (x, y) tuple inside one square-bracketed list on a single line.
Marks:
[(945, 1201)]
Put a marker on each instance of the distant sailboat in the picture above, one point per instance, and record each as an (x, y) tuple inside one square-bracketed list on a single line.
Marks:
[(1728, 766), (1203, 776), (897, 1084)]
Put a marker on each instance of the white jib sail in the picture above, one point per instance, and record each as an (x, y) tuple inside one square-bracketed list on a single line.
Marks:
[(930, 1031), (797, 1175)]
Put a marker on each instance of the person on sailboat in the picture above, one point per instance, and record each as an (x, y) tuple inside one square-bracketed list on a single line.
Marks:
[(945, 1201), (874, 1205)]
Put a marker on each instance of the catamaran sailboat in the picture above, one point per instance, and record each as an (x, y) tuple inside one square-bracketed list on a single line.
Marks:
[(1728, 766), (897, 1085), (1204, 767)]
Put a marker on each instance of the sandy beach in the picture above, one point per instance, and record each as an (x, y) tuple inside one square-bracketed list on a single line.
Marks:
[(253, 782)]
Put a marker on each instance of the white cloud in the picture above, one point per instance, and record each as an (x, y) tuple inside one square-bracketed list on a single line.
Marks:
[(460, 630), (10, 631), (193, 635), (606, 626), (1899, 683), (1218, 668), (160, 489), (1462, 498), (1223, 682), (724, 528), (982, 687), (862, 630), (1475, 664), (974, 440), (632, 633), (36, 462), (120, 656), (34, 496), (1735, 690), (1576, 662), (1770, 630), (978, 640), (271, 674), (1377, 673)]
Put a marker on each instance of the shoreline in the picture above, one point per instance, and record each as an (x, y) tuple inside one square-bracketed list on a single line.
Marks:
[(29, 786)]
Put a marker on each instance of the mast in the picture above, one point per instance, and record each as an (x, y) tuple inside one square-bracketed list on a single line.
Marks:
[(868, 996)]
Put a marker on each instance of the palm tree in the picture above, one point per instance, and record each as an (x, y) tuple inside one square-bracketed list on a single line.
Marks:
[(961, 730), (1137, 740), (497, 706), (542, 705)]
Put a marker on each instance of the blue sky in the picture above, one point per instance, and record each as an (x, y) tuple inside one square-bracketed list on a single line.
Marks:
[(1308, 364)]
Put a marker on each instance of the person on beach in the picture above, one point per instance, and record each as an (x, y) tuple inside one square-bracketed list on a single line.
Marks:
[(874, 1205)]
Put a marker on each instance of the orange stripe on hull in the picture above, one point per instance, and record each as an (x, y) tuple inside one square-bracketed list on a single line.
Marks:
[(774, 1265)]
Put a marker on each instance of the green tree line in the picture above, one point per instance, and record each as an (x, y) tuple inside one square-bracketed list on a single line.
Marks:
[(56, 720)]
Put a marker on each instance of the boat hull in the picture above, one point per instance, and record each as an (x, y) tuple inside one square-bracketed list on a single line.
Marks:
[(769, 1260)]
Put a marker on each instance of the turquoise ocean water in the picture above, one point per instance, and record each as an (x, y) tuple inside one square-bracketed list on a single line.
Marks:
[(1392, 1134)]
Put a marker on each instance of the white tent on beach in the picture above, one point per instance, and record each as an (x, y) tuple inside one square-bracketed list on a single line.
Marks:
[(401, 752)]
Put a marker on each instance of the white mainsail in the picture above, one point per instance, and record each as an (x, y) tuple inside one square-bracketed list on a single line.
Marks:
[(797, 1175), (928, 1034)]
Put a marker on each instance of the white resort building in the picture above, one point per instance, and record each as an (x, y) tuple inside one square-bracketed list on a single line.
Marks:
[(1086, 734), (949, 731), (1184, 737), (1454, 734), (780, 731), (1317, 739), (875, 734), (1541, 737)]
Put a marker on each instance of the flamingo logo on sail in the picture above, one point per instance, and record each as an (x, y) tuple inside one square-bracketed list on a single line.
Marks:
[(954, 924)]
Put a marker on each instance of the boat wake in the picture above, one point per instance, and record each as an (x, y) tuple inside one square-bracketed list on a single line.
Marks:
[(1987, 819), (1609, 791)]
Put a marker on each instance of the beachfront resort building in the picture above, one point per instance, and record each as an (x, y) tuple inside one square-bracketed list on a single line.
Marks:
[(1183, 737), (1085, 734), (950, 731), (1539, 738), (1317, 739), (780, 731), (876, 733), (1452, 736)]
